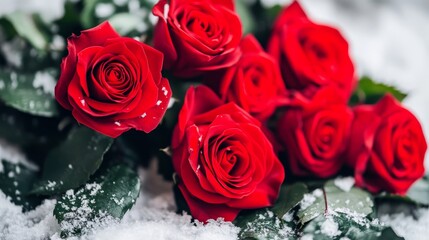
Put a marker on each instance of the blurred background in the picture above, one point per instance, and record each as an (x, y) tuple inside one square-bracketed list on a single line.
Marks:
[(389, 39)]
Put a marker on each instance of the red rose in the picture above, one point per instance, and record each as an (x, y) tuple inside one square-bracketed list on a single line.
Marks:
[(112, 83), (254, 83), (314, 135), (387, 147), (310, 55), (197, 36), (223, 159)]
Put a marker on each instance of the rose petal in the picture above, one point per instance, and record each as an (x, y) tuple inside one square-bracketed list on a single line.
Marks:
[(204, 211), (150, 119)]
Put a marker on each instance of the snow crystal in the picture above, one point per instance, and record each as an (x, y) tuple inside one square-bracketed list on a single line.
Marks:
[(166, 10), (14, 80), (309, 198), (165, 91), (31, 104), (46, 81), (93, 187), (330, 227), (345, 183), (51, 184), (158, 102)]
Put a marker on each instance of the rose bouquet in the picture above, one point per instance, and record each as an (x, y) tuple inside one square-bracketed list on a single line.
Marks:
[(265, 123)]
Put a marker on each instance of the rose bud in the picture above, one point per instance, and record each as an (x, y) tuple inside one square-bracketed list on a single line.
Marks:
[(315, 134), (112, 83), (387, 147), (310, 55), (222, 158), (197, 36)]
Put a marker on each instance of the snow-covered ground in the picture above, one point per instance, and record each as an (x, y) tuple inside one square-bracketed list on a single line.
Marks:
[(389, 41), (152, 217)]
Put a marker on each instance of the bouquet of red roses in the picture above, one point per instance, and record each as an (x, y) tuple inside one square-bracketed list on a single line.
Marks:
[(272, 130)]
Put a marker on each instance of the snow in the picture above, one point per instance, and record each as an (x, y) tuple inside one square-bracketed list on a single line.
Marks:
[(288, 216), (14, 155), (46, 81), (37, 224), (58, 43), (103, 10), (12, 50), (408, 227), (330, 227), (171, 102), (307, 237), (308, 199), (345, 183), (48, 12)]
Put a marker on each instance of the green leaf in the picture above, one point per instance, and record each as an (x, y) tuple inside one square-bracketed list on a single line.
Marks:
[(389, 234), (370, 92), (108, 198), (261, 224), (29, 132), (26, 27), (23, 92), (389, 197), (72, 163), (332, 198), (16, 180), (246, 17), (87, 16), (387, 204), (289, 197), (340, 225)]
